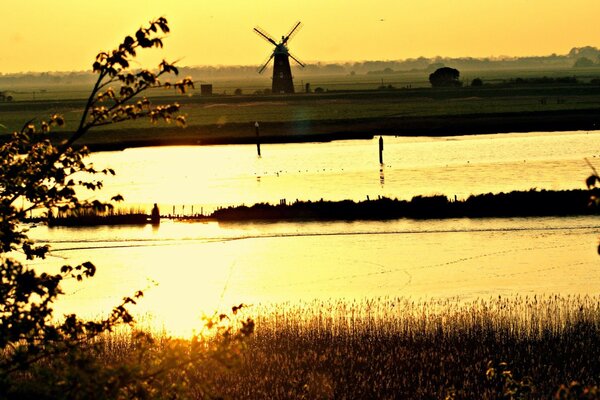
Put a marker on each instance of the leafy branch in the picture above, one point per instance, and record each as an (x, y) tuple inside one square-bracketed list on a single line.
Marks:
[(44, 175)]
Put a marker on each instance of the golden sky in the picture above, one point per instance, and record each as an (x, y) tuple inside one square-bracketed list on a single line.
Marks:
[(63, 35)]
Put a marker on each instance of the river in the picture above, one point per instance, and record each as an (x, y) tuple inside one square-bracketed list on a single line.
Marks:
[(211, 176), (187, 269)]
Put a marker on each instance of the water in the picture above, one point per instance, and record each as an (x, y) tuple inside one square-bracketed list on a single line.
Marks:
[(210, 176), (190, 268)]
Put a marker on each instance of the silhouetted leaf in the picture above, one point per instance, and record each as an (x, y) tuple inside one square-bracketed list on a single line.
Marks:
[(591, 181)]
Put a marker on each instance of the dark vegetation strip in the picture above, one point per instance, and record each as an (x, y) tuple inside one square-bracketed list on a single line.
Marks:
[(513, 204), (94, 218)]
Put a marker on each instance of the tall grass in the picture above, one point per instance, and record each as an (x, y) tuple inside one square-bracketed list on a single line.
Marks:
[(91, 216), (389, 348), (398, 348)]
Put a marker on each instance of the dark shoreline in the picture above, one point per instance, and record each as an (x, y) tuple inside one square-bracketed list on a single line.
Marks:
[(532, 203), (344, 129)]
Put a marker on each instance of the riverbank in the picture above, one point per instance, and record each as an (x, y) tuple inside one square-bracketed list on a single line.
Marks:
[(343, 129)]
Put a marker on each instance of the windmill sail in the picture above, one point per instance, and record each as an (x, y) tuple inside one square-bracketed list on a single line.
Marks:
[(292, 32), (265, 35), (295, 59), (265, 64)]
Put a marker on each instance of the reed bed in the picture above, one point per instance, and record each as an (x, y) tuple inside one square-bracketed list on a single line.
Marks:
[(91, 217), (398, 348), (386, 348)]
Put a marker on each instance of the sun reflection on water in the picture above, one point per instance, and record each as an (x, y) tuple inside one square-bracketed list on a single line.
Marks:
[(186, 272)]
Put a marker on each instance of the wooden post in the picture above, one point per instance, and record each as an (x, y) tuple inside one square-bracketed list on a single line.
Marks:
[(257, 137), (380, 150)]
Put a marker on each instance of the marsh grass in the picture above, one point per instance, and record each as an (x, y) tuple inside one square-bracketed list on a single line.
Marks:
[(384, 348), (397, 348), (91, 216)]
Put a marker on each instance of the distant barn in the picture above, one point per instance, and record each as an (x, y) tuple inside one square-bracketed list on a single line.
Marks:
[(206, 90)]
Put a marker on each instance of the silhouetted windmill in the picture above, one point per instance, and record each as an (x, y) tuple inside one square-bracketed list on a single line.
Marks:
[(282, 74)]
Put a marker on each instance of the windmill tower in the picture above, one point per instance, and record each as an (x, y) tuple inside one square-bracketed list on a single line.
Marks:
[(282, 73)]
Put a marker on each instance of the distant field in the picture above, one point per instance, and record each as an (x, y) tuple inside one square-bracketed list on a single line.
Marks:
[(221, 110), (345, 98), (250, 84)]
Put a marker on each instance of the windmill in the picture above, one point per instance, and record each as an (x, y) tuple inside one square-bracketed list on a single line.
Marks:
[(282, 74)]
